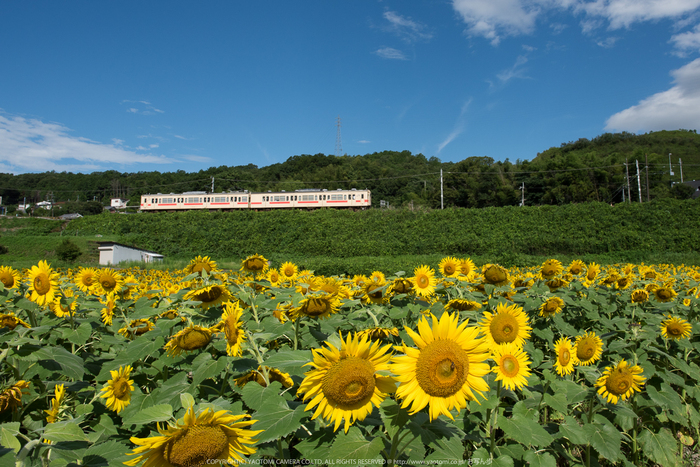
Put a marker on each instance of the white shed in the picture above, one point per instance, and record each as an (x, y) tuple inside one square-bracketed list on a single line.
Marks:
[(119, 203), (115, 253)]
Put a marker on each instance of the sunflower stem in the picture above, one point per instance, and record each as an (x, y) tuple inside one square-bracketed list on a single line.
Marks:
[(374, 317), (493, 420), (296, 332), (590, 420)]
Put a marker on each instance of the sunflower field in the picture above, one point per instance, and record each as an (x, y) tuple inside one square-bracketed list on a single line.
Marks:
[(554, 365)]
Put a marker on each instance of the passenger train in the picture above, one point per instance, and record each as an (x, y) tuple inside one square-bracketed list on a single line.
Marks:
[(305, 199)]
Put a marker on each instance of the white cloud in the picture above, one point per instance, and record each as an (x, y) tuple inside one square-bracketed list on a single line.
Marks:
[(195, 158), (28, 145), (406, 28), (458, 128), (390, 53), (516, 71), (687, 41), (622, 13), (142, 108), (678, 107), (494, 19), (364, 141)]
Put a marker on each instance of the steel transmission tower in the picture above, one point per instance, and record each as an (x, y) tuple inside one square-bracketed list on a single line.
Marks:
[(338, 144)]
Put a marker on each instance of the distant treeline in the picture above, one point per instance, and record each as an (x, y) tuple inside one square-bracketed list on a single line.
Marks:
[(574, 229), (576, 172)]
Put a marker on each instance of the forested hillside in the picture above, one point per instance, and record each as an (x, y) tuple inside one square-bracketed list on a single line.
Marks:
[(575, 172)]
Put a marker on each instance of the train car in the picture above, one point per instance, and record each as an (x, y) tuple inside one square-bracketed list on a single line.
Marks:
[(302, 199)]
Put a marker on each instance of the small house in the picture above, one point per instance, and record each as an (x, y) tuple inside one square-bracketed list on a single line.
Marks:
[(115, 253), (119, 203)]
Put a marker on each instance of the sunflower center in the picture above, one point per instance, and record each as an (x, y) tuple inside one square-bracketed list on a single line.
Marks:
[(510, 366), (504, 328), (108, 282), (42, 283), (576, 269), (195, 339), (550, 306), (423, 282), (564, 357), (585, 349), (197, 446), (674, 330), (619, 382), (231, 330), (590, 275), (442, 368), (349, 383), (7, 279), (450, 269), (664, 294), (317, 306), (120, 388), (495, 275)]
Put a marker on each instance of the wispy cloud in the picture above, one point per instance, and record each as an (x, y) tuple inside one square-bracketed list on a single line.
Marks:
[(364, 141), (496, 19), (390, 53), (515, 71), (677, 107), (142, 108), (195, 158), (28, 145), (406, 28), (687, 42), (459, 126)]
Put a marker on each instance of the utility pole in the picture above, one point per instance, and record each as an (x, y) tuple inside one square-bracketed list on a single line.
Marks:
[(639, 183), (646, 163), (680, 163), (442, 205), (629, 192), (212, 184), (670, 168), (522, 194), (338, 143)]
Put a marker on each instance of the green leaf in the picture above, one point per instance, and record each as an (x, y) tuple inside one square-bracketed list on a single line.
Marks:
[(447, 449), (72, 365), (525, 430), (186, 400), (318, 445), (353, 445), (206, 367), (156, 413), (573, 431), (277, 419), (540, 459), (604, 437), (556, 401), (256, 396), (659, 447), (64, 431), (8, 433), (290, 361), (393, 416), (111, 453)]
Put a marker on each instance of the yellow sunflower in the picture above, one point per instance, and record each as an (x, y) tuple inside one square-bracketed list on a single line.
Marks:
[(118, 390), (664, 294), (511, 365), (675, 328), (189, 339), (551, 307), (107, 313), (59, 395), (509, 323), (566, 357), (639, 296), (400, 285), (232, 327), (495, 274), (320, 306), (592, 272), (551, 268), (198, 440), (424, 281), (446, 369), (449, 266), (254, 264), (136, 328), (199, 264), (377, 276), (466, 269), (556, 283), (378, 333), (209, 295), (273, 374), (43, 283), (620, 382), (589, 348), (10, 277), (375, 292), (462, 304), (64, 304), (289, 271), (10, 321), (274, 277), (576, 267), (85, 279), (11, 398), (344, 383), (108, 281)]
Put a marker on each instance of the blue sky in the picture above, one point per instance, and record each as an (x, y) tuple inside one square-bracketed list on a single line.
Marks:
[(139, 86)]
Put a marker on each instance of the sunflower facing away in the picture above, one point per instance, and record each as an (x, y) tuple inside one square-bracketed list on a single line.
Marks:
[(620, 381), (254, 264), (9, 277), (189, 339), (508, 324), (511, 365), (495, 274), (52, 413), (424, 281), (209, 295), (566, 357), (197, 441), (107, 313), (232, 327), (446, 370), (10, 321), (320, 306), (43, 283), (345, 382), (273, 374), (551, 307), (11, 398), (589, 348), (639, 296), (118, 389), (675, 328), (136, 327), (462, 304)]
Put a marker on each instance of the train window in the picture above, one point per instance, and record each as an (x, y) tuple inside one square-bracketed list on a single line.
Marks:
[(362, 196), (287, 198)]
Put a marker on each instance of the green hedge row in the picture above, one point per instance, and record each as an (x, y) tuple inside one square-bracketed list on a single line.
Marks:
[(575, 229)]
